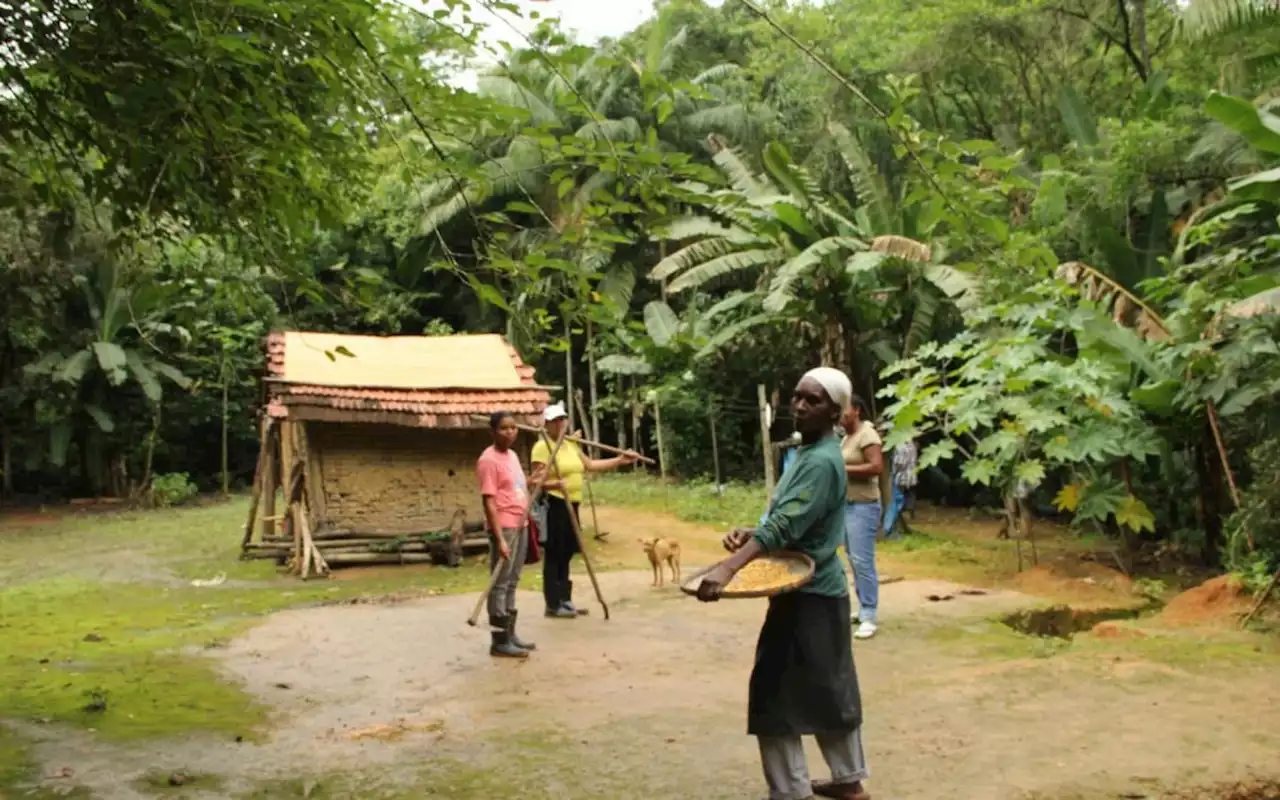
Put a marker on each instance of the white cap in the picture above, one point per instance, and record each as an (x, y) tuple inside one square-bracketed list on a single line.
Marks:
[(554, 412)]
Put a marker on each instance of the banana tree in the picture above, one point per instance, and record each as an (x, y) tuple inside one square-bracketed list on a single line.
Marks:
[(805, 253), (92, 380)]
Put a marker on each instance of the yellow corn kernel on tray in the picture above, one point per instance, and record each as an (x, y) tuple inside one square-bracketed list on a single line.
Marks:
[(764, 577)]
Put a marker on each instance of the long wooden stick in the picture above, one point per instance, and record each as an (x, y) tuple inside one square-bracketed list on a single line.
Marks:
[(578, 439), (577, 531), (502, 562), (591, 496)]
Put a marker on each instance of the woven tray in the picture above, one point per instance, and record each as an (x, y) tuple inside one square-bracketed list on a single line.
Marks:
[(799, 568)]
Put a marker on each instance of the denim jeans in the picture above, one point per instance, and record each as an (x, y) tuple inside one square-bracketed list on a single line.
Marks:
[(891, 514), (861, 524)]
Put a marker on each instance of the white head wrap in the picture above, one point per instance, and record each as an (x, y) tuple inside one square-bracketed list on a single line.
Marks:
[(837, 384)]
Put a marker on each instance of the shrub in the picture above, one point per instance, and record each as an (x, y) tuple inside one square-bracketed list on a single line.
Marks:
[(172, 489)]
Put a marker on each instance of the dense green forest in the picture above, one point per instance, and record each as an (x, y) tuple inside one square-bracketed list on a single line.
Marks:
[(1041, 234)]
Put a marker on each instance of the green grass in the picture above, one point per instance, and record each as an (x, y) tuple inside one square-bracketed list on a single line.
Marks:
[(102, 629), (694, 501)]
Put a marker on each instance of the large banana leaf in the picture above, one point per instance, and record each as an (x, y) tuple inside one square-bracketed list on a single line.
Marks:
[(874, 199), (1077, 119), (618, 364), (1264, 186), (739, 174), (661, 322), (780, 291), (1212, 18), (692, 255), (733, 262), (730, 333), (959, 286), (1260, 128)]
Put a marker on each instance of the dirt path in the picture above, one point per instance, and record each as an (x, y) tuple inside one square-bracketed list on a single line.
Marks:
[(652, 704)]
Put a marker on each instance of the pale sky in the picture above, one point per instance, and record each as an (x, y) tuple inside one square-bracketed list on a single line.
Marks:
[(587, 21)]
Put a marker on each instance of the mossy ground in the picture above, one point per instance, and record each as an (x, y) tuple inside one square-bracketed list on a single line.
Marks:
[(103, 630)]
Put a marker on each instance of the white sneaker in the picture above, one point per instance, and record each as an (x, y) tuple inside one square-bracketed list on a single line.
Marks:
[(865, 630)]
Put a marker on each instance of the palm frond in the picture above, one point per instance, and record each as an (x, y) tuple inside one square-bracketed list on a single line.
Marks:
[(686, 257), (735, 168), (926, 302), (790, 175), (612, 130), (790, 272), (694, 227), (719, 267), (670, 52), (731, 119), (617, 287), (960, 287), (715, 73), (847, 226), (511, 93), (902, 247), (1210, 18), (730, 332), (870, 186), (1125, 308)]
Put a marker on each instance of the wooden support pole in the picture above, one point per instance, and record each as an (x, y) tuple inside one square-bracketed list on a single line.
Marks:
[(715, 444), (271, 484), (264, 442), (662, 449), (762, 400)]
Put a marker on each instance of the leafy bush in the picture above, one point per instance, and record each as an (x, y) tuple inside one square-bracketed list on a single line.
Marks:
[(172, 489), (1253, 531)]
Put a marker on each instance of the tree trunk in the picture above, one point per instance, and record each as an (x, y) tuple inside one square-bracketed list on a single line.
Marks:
[(6, 460), (833, 351), (226, 476), (144, 485), (1140, 33), (622, 413)]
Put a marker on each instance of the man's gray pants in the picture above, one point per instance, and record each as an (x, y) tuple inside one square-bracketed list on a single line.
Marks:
[(502, 600), (787, 773)]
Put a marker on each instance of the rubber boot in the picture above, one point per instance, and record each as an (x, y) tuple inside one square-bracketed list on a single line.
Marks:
[(558, 611), (501, 646), (568, 605), (515, 640)]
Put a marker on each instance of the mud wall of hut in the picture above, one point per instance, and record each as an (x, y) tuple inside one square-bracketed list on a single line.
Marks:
[(395, 479)]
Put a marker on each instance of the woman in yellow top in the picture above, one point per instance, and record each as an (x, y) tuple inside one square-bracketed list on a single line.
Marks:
[(563, 498)]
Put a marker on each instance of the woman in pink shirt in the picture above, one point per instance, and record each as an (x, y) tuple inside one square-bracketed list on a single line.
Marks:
[(505, 493)]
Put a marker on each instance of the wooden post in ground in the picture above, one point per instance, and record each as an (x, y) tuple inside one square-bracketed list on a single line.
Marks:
[(270, 481), (662, 450), (259, 481), (762, 399), (636, 410), (715, 445)]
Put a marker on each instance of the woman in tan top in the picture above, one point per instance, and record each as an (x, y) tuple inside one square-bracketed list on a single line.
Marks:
[(863, 463)]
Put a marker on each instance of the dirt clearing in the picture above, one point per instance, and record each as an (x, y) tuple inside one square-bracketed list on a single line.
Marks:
[(402, 700)]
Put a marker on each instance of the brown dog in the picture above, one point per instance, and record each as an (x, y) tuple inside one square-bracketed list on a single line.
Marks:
[(660, 552)]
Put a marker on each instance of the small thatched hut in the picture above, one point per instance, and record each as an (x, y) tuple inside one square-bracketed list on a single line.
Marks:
[(373, 443)]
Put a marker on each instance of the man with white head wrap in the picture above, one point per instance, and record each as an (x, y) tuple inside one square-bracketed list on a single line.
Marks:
[(804, 682)]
